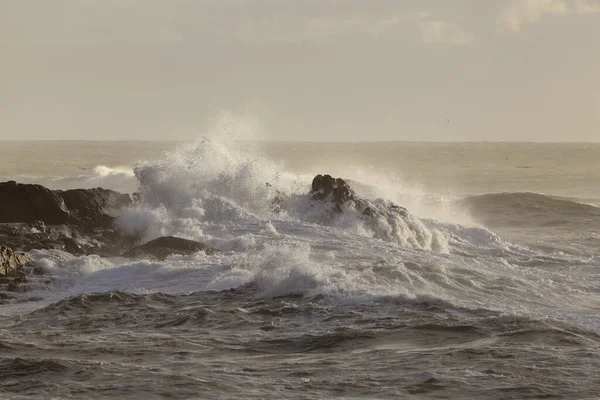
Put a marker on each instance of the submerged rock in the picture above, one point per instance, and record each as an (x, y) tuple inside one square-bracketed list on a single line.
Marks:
[(163, 247)]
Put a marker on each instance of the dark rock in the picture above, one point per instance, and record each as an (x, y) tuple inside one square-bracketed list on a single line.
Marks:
[(162, 247), (34, 217), (38, 225), (337, 191), (89, 206), (341, 194), (385, 220), (11, 262), (13, 235), (324, 187), (27, 237), (63, 243), (30, 203), (98, 198)]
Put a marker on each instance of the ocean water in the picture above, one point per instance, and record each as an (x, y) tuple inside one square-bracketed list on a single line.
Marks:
[(491, 291)]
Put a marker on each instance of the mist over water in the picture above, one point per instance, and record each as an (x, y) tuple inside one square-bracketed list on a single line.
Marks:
[(487, 281)]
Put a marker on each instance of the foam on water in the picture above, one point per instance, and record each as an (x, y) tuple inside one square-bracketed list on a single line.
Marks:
[(215, 191), (200, 188), (119, 178), (315, 260)]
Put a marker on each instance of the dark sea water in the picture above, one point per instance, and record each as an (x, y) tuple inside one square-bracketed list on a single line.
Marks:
[(493, 293)]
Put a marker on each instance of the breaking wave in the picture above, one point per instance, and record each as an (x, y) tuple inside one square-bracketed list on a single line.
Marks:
[(529, 209)]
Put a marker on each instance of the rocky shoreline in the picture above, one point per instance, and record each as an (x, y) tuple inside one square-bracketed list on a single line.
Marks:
[(78, 221), (82, 222)]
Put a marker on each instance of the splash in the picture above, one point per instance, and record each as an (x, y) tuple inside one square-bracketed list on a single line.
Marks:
[(216, 180), (211, 189)]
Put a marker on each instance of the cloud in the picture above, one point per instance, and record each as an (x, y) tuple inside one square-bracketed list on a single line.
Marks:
[(520, 13), (436, 31)]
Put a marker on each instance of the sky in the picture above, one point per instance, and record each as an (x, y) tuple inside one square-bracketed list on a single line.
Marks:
[(334, 70)]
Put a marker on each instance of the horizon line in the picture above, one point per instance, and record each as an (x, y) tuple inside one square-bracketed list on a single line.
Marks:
[(305, 141)]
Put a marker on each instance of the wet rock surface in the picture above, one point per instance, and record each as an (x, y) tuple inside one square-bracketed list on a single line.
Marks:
[(11, 262), (30, 203), (12, 271), (78, 221), (163, 247), (88, 207)]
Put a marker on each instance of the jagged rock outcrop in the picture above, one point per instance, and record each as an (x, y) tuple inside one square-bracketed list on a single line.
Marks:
[(84, 208), (88, 206), (29, 203), (338, 192), (11, 262), (33, 217), (75, 221), (335, 190), (384, 219), (163, 247)]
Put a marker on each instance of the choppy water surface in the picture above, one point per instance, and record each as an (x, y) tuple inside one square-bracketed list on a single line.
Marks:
[(498, 297)]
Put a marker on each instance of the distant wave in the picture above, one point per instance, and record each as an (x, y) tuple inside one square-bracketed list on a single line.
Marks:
[(528, 209), (120, 178)]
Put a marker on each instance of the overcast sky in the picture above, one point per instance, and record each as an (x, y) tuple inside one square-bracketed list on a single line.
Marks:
[(305, 69)]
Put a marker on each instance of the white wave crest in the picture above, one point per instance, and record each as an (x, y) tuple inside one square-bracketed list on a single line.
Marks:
[(209, 189)]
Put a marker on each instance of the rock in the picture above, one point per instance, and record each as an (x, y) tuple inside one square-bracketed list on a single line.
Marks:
[(11, 262), (324, 187), (26, 237), (89, 206), (162, 247), (63, 243), (337, 191), (98, 198), (384, 219), (30, 203), (341, 194), (34, 217)]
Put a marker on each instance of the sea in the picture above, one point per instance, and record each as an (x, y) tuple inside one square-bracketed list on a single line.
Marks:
[(496, 295)]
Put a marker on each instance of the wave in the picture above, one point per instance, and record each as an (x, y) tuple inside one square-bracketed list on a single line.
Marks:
[(529, 210), (119, 178), (222, 192), (199, 187)]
